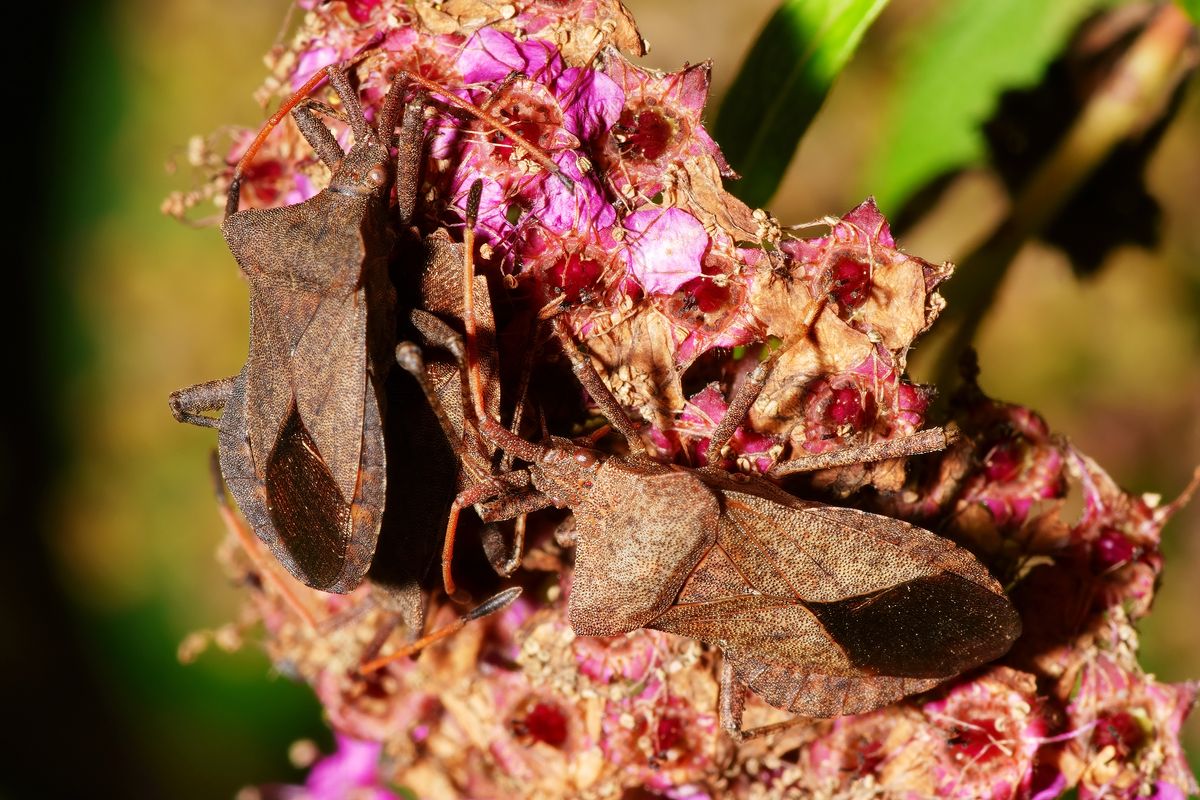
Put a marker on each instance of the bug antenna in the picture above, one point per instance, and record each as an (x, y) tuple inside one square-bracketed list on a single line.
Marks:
[(489, 606), (235, 186)]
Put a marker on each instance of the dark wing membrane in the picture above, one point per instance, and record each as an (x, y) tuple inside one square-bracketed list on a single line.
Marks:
[(931, 627), (826, 611), (312, 521)]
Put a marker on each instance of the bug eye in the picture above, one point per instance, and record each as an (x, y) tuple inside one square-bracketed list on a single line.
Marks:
[(377, 176)]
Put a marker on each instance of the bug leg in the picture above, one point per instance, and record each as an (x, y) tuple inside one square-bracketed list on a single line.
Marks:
[(408, 356), (504, 560), (927, 441), (319, 137), (732, 701), (264, 567), (512, 506), (409, 147), (354, 113), (585, 372), (739, 407), (497, 486), (189, 404), (438, 334), (493, 604)]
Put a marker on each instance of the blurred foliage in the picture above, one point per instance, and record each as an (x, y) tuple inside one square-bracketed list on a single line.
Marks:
[(1192, 7), (141, 305), (782, 84), (959, 62)]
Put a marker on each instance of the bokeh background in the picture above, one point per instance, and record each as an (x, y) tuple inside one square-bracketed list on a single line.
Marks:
[(114, 526)]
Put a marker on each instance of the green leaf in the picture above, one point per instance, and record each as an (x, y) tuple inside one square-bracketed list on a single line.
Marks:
[(782, 84), (952, 76), (1192, 9)]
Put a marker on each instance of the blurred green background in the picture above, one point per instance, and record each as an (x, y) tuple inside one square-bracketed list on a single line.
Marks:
[(134, 305)]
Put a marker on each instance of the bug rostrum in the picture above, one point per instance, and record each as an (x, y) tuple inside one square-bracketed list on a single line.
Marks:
[(820, 610)]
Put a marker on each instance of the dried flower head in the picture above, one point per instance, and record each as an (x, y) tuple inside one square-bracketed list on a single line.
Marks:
[(677, 290)]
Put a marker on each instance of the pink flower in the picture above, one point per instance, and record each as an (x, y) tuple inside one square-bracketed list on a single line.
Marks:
[(1129, 725), (665, 248), (492, 55), (700, 417), (352, 772)]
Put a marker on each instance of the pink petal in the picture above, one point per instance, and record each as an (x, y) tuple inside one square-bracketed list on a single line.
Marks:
[(591, 102), (665, 248), (491, 55)]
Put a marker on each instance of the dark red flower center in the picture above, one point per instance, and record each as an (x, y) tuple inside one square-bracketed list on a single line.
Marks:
[(531, 117), (668, 733), (1120, 730), (648, 134), (1003, 462), (977, 742), (545, 722), (573, 274), (846, 408), (1110, 549), (360, 10), (851, 282), (263, 176)]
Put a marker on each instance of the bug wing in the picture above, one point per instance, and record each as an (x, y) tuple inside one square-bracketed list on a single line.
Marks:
[(826, 611), (329, 376), (308, 442)]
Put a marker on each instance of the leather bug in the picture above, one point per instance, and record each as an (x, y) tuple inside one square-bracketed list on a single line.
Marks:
[(300, 430), (820, 610)]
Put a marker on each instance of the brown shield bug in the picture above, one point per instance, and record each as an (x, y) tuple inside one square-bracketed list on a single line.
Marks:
[(301, 426), (300, 432), (820, 610)]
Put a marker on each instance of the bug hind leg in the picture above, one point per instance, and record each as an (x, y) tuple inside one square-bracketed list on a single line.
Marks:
[(731, 703), (189, 404)]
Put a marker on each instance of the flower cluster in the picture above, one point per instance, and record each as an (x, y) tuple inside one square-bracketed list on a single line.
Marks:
[(678, 291)]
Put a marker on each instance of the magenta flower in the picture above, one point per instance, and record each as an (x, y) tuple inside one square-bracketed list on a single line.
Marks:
[(753, 452), (352, 772), (658, 273), (1127, 725), (665, 248)]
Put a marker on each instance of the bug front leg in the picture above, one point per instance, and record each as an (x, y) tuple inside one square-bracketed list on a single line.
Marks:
[(585, 372), (189, 404), (319, 137), (498, 486), (739, 407)]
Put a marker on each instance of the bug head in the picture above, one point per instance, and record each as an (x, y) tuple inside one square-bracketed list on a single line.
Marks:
[(566, 470), (365, 171)]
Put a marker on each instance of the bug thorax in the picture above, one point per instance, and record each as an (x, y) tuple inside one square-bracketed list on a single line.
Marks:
[(566, 471), (366, 171)]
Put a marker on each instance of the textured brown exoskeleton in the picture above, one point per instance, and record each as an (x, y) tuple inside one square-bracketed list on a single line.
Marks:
[(300, 432), (820, 610)]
